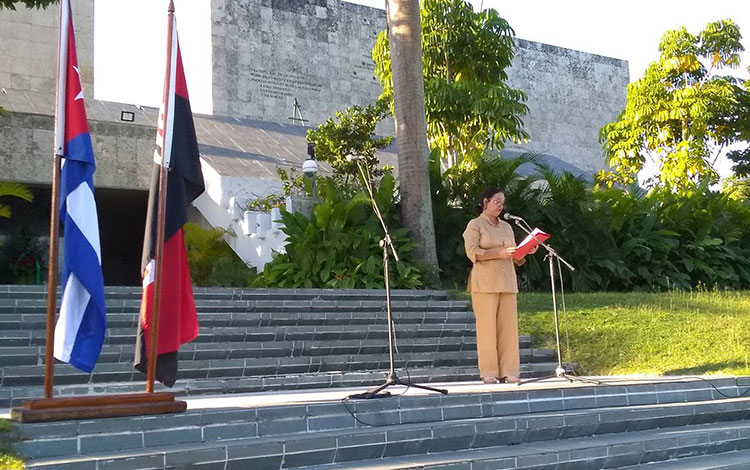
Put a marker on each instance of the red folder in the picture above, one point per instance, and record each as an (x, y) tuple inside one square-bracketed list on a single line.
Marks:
[(529, 243)]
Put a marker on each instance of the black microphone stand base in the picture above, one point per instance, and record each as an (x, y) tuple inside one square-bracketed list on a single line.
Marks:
[(393, 379)]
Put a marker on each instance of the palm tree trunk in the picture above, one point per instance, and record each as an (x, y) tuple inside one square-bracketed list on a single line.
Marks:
[(411, 127)]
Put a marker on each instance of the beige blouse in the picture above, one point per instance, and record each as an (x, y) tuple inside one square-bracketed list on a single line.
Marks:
[(495, 275)]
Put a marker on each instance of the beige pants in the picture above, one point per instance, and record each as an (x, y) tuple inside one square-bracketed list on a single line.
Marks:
[(497, 334)]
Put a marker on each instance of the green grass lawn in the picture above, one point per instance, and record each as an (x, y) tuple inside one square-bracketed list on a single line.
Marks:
[(681, 333), (8, 459)]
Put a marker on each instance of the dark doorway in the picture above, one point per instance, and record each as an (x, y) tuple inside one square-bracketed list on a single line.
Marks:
[(122, 218)]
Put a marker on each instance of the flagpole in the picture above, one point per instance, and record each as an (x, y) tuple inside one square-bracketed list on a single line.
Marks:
[(54, 243), (153, 329), (54, 217), (90, 406)]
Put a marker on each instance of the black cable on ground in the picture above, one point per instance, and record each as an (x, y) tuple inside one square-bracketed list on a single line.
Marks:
[(615, 382)]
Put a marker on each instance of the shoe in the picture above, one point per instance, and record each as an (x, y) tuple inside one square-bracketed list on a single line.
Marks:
[(511, 380), (490, 380)]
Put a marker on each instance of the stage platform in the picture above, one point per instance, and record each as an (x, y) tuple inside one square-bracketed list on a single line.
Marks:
[(625, 422), (614, 386)]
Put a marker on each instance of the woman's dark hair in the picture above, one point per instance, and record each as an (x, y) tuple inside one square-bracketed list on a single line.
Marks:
[(486, 194)]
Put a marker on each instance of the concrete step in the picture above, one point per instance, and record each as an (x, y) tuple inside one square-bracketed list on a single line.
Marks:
[(13, 324), (272, 333), (221, 293), (251, 315), (15, 395), (126, 336), (111, 353), (218, 369), (248, 318), (627, 450), (532, 408), (241, 367), (536, 423), (279, 330), (309, 311), (734, 460)]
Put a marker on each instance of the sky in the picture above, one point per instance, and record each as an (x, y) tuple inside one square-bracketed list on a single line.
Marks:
[(130, 44)]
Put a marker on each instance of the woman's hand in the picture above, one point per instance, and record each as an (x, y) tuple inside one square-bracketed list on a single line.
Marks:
[(501, 252), (522, 260)]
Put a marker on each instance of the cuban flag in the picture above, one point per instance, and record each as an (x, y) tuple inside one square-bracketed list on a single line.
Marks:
[(176, 149), (80, 329)]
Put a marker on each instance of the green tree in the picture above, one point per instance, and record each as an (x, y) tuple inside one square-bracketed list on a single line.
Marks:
[(10, 4), (352, 132), (681, 114), (469, 108), (738, 185)]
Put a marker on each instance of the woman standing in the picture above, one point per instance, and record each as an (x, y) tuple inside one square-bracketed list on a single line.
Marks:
[(490, 244)]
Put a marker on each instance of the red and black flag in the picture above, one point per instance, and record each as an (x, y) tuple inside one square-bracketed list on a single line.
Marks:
[(177, 150)]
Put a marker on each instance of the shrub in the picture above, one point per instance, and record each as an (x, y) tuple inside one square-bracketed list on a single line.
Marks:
[(616, 238), (338, 247), (212, 261), (454, 196)]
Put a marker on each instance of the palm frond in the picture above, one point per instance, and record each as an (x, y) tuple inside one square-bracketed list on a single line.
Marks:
[(10, 188)]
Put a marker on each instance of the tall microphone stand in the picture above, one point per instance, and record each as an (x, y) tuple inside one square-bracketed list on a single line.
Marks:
[(552, 256), (386, 243)]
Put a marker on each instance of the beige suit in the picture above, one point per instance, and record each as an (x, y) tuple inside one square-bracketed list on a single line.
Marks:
[(493, 288)]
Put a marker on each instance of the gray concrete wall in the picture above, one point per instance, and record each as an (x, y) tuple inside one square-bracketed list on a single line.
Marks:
[(266, 53), (123, 151), (571, 95), (28, 52)]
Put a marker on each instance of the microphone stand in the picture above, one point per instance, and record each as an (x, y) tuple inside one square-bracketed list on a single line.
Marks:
[(560, 371), (386, 243)]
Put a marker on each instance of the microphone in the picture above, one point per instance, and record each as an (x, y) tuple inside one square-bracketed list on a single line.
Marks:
[(507, 216)]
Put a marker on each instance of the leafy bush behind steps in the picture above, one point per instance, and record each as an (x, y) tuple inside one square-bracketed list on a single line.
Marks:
[(212, 261), (338, 247), (616, 238), (620, 239)]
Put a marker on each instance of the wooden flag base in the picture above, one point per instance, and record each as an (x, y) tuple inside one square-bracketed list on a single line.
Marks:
[(101, 406)]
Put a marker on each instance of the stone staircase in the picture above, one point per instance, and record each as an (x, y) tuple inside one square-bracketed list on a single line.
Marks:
[(685, 424), (256, 340), (296, 350)]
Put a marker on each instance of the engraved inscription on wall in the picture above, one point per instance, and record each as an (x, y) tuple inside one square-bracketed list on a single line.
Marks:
[(280, 85), (363, 69)]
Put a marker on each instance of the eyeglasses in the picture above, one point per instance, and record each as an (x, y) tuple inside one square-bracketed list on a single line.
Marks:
[(499, 202)]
